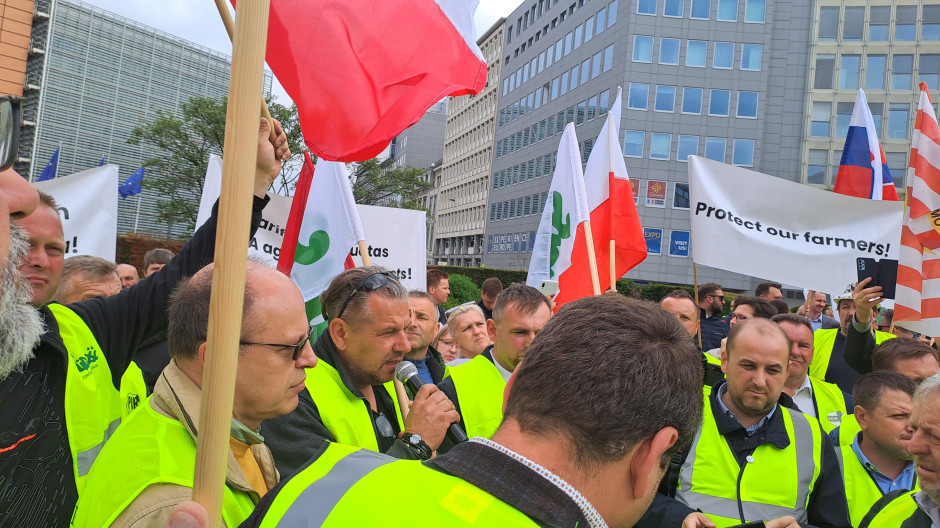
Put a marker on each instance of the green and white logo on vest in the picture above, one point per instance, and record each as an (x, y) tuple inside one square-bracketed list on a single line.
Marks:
[(87, 363)]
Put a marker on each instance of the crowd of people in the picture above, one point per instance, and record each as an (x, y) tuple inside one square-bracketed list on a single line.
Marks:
[(606, 411)]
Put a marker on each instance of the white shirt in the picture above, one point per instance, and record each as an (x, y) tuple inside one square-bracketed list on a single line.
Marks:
[(803, 398), (502, 372)]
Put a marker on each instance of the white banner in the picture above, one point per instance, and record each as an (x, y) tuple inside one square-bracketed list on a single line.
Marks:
[(266, 244), (88, 209), (759, 225)]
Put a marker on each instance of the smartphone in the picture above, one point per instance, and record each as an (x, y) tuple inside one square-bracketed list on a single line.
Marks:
[(883, 273), (548, 287), (754, 524)]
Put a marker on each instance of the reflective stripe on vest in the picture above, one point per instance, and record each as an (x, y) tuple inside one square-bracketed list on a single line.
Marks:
[(350, 487), (133, 389), (823, 341), (92, 404), (148, 449), (344, 415), (893, 515), (778, 482), (479, 387), (830, 404)]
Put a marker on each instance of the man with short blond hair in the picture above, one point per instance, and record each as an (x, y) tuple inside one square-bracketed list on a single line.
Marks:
[(87, 276)]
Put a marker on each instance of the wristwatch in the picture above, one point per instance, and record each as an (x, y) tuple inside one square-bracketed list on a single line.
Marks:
[(419, 447)]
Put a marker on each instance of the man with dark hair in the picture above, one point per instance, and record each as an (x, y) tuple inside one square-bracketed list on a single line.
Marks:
[(489, 290), (146, 469), (680, 304), (916, 509), (821, 400), (87, 276), (878, 461), (438, 287), (128, 274), (711, 301), (350, 397), (155, 259), (84, 353), (747, 307), (476, 387), (792, 475), (421, 332), (781, 306), (908, 357), (554, 461), (769, 291)]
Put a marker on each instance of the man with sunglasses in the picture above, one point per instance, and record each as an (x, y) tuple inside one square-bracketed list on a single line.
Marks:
[(350, 397), (713, 328), (146, 468)]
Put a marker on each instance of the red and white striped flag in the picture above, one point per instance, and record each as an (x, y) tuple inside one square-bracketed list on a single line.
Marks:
[(918, 294)]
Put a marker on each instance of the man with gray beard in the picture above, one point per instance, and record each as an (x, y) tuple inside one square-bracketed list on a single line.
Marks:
[(20, 325)]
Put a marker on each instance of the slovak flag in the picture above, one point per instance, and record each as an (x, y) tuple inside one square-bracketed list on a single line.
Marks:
[(863, 171)]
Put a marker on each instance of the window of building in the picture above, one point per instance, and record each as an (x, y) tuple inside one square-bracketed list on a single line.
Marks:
[(574, 76), (554, 88), (559, 49), (603, 103), (751, 56), (843, 118), (585, 71), (608, 57), (715, 148), (701, 9), (747, 104), (899, 115), (854, 23), (905, 23), (875, 69), (633, 143), (688, 146), (902, 72), (930, 23), (877, 111), (816, 170), (596, 63), (897, 165), (646, 7), (660, 145), (821, 116), (639, 95), (592, 108), (719, 102), (824, 67), (564, 83), (665, 99), (828, 23), (642, 49), (681, 197), (600, 23), (928, 70), (724, 55), (695, 51), (612, 13), (578, 36), (588, 29), (754, 10), (668, 51), (569, 41), (692, 100), (880, 17), (673, 8), (743, 152), (848, 72), (582, 113), (728, 10)]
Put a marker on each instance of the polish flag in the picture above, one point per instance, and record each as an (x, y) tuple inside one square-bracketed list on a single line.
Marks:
[(361, 72), (917, 302)]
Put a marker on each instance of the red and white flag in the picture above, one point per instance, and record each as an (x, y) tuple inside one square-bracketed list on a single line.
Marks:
[(361, 72), (917, 303)]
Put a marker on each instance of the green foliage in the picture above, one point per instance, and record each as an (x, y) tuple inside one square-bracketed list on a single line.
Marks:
[(376, 183), (462, 290), (478, 275), (627, 287), (655, 292), (186, 141)]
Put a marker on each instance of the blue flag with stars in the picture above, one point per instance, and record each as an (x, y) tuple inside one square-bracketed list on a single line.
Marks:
[(49, 172), (132, 185)]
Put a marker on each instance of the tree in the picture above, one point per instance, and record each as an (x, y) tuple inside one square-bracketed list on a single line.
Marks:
[(186, 141), (376, 183)]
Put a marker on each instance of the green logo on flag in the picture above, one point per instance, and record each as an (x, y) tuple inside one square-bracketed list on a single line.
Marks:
[(317, 246), (562, 231)]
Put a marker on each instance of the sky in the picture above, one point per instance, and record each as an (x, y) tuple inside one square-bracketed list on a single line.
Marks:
[(199, 22)]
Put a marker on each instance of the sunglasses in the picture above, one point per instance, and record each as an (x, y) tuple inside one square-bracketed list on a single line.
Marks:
[(298, 348), (368, 284)]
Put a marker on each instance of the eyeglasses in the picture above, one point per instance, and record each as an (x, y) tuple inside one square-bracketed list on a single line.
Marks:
[(368, 284), (719, 297), (298, 348), (739, 317)]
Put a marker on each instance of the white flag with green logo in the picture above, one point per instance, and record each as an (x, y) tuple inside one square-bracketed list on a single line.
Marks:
[(565, 209)]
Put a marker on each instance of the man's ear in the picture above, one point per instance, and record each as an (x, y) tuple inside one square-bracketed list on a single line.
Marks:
[(724, 360), (861, 416), (491, 329), (646, 468), (202, 353), (339, 332)]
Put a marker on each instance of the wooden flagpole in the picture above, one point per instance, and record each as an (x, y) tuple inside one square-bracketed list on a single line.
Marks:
[(613, 265), (228, 281), (222, 6), (695, 280), (611, 143), (592, 257)]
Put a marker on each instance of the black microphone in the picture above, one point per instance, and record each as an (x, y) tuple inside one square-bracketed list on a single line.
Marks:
[(408, 375)]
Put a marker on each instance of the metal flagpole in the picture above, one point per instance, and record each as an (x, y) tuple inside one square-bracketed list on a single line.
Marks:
[(137, 216)]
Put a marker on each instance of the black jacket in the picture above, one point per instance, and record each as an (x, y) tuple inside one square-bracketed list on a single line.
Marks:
[(827, 507), (293, 438), (37, 483), (713, 330)]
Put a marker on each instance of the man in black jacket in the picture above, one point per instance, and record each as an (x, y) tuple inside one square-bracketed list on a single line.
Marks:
[(44, 461)]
